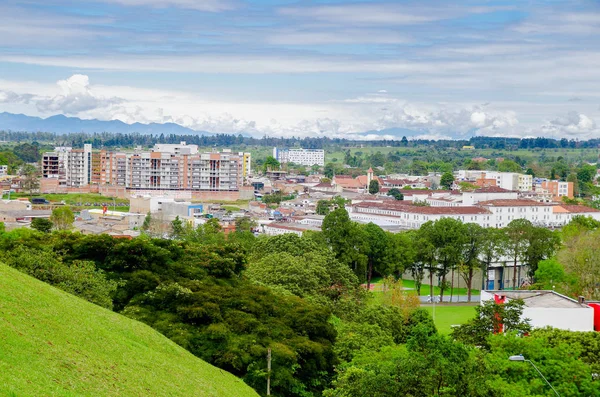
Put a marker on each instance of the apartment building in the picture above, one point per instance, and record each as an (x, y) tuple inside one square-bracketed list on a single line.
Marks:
[(505, 180), (307, 157), (164, 167), (558, 189), (71, 167)]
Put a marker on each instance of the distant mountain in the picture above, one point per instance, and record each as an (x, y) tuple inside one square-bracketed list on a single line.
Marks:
[(62, 125)]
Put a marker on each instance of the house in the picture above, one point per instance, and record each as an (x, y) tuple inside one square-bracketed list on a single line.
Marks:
[(548, 309)]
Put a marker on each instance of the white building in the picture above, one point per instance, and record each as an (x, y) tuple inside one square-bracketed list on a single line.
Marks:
[(504, 180), (179, 148), (492, 213), (308, 157), (278, 228), (548, 309), (72, 167)]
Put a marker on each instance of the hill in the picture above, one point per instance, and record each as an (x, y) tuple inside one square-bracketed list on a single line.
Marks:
[(53, 343), (62, 125)]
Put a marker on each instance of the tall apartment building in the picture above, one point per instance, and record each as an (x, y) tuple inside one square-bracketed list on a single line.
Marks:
[(72, 167), (165, 167), (308, 157)]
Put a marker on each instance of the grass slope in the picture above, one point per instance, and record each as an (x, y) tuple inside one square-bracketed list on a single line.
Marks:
[(55, 344)]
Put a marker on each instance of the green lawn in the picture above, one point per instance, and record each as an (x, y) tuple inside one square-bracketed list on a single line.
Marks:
[(447, 315), (55, 344), (425, 290), (73, 198)]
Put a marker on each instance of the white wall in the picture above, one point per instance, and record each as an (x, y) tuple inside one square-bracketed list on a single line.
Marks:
[(572, 319)]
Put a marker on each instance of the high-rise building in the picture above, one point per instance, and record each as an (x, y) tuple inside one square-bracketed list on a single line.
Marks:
[(308, 157), (72, 167), (165, 167)]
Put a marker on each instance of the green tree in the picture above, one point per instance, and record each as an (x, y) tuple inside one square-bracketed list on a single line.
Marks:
[(374, 186), (31, 180), (271, 163), (346, 240), (492, 246), (244, 224), (446, 180), (147, 222), (509, 166), (517, 243), (376, 250), (323, 207), (62, 218), (542, 244), (42, 225), (549, 274), (177, 228), (395, 193), (492, 318), (470, 254)]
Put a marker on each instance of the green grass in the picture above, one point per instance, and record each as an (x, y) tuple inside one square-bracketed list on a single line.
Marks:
[(425, 290), (72, 198), (448, 315), (55, 344), (231, 208)]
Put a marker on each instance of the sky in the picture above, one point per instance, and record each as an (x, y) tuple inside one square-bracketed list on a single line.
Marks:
[(318, 68)]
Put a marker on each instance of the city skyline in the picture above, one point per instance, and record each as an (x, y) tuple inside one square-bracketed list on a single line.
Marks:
[(352, 69)]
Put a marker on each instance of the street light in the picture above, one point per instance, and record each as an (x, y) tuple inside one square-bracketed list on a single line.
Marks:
[(521, 358)]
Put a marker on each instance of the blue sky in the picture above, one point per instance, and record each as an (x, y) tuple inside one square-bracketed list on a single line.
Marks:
[(309, 68)]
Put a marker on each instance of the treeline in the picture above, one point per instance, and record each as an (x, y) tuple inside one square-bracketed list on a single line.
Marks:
[(115, 140), (229, 298)]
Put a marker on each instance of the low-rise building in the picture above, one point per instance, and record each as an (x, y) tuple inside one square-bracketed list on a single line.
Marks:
[(548, 309)]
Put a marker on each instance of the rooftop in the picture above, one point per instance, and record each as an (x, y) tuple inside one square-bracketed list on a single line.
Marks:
[(541, 299), (515, 203)]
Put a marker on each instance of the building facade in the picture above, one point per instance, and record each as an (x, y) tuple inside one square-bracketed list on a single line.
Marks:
[(165, 167), (307, 157), (71, 167)]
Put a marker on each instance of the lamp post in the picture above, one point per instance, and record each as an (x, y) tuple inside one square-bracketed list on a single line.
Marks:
[(521, 358)]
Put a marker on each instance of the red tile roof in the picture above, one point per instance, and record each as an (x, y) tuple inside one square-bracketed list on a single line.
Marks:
[(578, 209)]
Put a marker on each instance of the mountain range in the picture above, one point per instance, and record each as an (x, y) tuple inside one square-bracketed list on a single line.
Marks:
[(60, 124)]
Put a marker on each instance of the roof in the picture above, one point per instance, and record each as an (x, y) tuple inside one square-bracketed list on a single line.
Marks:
[(541, 299), (576, 209), (515, 203), (299, 227), (403, 206), (492, 189), (28, 213)]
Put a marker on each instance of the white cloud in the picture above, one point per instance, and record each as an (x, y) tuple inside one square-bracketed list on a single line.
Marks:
[(573, 124), (76, 97), (343, 36), (199, 5)]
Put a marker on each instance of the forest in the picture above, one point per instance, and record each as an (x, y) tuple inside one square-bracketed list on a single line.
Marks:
[(229, 298)]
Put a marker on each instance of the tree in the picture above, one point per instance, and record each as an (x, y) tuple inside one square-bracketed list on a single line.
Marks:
[(470, 255), (375, 249), (62, 218), (322, 207), (579, 257), (509, 166), (446, 180), (147, 222), (177, 227), (245, 224), (447, 237), (492, 246), (30, 181), (395, 193), (374, 186), (549, 274), (541, 244), (346, 240), (517, 243), (492, 318), (271, 163), (41, 224)]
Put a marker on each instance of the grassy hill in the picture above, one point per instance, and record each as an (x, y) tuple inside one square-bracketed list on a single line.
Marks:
[(55, 344)]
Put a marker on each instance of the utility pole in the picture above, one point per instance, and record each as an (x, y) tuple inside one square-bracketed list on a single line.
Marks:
[(269, 371)]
